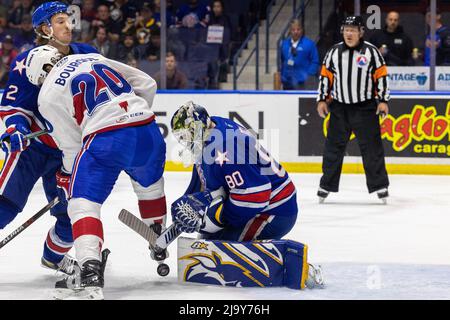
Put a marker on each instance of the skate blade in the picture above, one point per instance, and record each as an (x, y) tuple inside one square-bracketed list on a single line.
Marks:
[(315, 278), (92, 293), (321, 200)]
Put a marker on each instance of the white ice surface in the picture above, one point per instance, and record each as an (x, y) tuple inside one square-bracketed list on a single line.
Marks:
[(367, 250)]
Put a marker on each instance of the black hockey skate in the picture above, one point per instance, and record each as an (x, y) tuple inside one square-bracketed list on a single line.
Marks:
[(322, 194), (86, 284), (67, 265), (383, 194)]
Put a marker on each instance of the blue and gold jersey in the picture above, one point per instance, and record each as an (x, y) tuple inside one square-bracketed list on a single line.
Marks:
[(254, 182)]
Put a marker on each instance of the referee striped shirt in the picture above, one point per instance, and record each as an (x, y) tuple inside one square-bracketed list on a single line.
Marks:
[(353, 75)]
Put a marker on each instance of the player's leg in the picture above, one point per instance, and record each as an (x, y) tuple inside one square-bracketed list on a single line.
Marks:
[(366, 126), (335, 144), (59, 238), (18, 176), (146, 172), (263, 226), (94, 174)]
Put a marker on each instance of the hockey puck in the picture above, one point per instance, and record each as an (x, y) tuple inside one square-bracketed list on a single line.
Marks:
[(163, 270)]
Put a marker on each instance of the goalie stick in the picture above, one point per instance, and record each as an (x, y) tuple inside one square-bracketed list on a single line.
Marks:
[(27, 223)]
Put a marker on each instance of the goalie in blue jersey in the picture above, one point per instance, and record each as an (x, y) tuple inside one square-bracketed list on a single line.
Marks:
[(258, 196)]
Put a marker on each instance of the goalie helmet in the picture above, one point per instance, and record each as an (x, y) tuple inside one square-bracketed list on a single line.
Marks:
[(38, 62), (189, 126)]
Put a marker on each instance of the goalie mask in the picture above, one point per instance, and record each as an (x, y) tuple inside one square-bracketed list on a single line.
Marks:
[(40, 60), (189, 126)]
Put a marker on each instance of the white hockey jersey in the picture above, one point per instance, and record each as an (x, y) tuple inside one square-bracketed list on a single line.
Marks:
[(87, 94)]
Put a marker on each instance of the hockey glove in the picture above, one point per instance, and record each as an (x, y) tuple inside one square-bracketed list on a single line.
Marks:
[(13, 139), (189, 210), (62, 184)]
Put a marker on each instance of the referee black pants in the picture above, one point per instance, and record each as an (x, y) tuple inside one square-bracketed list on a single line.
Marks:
[(362, 120)]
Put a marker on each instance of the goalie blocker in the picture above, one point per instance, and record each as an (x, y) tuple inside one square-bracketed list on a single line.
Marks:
[(269, 263)]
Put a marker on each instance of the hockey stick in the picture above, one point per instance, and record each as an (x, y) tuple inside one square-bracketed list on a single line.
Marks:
[(137, 225), (36, 134), (157, 243), (30, 135), (27, 223)]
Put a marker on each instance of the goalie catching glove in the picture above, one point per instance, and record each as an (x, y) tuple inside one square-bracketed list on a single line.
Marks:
[(197, 212)]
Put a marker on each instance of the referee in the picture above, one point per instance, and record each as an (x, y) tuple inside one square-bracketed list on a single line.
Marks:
[(354, 79)]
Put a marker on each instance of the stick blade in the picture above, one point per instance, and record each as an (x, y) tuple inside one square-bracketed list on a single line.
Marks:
[(137, 225)]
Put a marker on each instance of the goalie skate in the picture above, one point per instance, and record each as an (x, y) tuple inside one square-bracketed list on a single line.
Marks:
[(86, 284), (315, 277), (67, 265)]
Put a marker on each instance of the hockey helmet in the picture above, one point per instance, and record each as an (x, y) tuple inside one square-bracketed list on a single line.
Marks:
[(38, 61), (189, 124), (355, 21), (46, 11)]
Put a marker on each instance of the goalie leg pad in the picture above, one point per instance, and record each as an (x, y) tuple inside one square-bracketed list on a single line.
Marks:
[(271, 263), (295, 265)]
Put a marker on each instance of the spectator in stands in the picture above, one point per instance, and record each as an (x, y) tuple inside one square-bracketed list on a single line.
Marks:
[(148, 45), (3, 15), (132, 63), (102, 43), (175, 78), (7, 51), (127, 8), (4, 71), (442, 42), (129, 26), (103, 19), (170, 12), (24, 40), (218, 17), (4, 26), (146, 20), (88, 11), (394, 44), (194, 14), (127, 48), (299, 58), (18, 10), (88, 15)]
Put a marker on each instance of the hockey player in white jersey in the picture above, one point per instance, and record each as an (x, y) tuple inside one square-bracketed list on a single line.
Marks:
[(99, 113)]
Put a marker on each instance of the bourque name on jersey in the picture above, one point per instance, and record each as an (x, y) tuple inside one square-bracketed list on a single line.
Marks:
[(71, 67)]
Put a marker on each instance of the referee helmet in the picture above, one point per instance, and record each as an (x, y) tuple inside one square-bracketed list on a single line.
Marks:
[(355, 21)]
